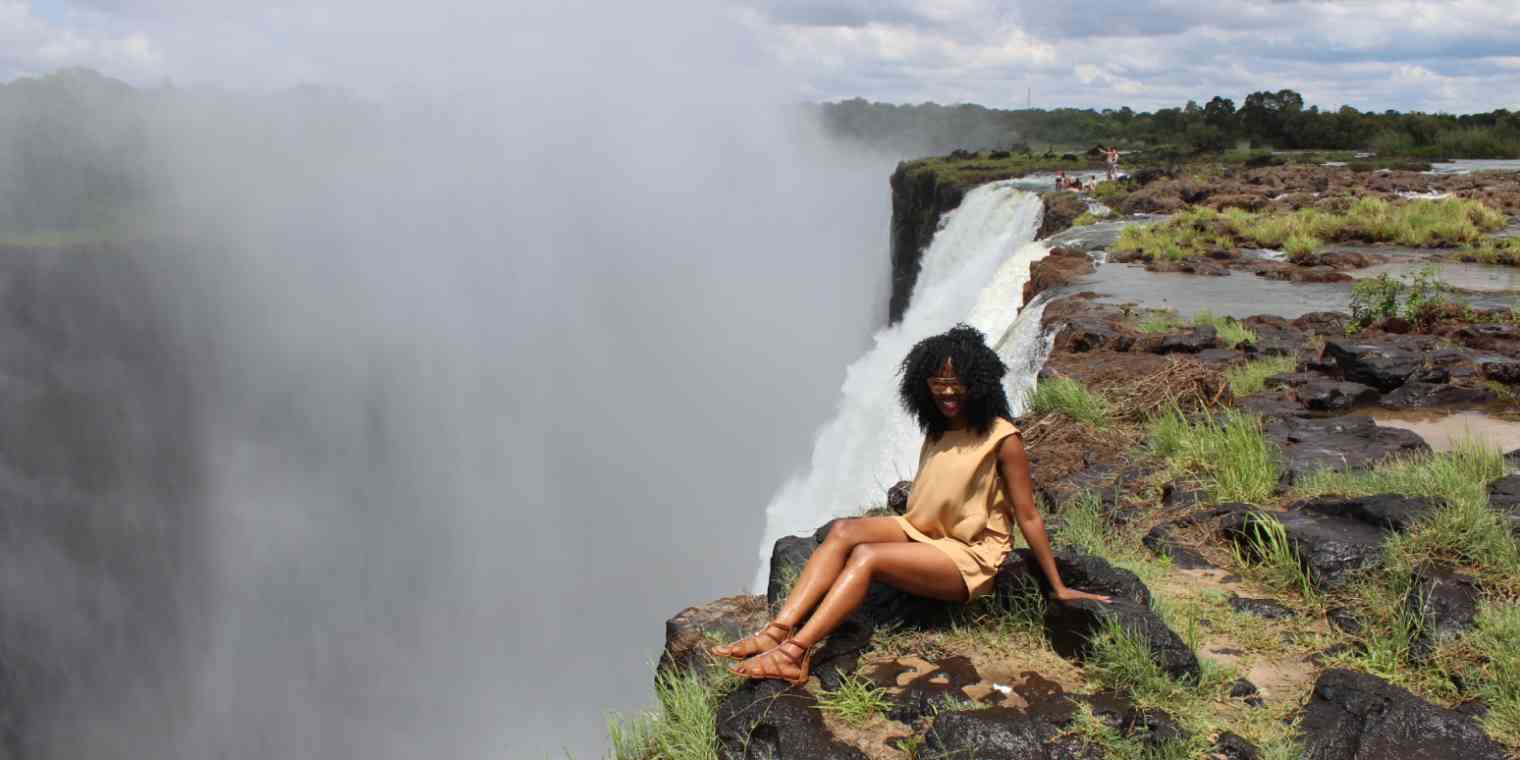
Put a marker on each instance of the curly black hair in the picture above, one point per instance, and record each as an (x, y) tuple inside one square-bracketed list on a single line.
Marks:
[(978, 367)]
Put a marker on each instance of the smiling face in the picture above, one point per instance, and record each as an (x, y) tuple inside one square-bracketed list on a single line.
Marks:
[(948, 391)]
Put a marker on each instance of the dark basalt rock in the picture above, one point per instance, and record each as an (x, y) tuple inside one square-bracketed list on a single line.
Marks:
[(729, 618), (1344, 619), (1083, 335), (897, 496), (1420, 395), (1333, 651), (1500, 369), (1448, 603), (1332, 549), (767, 720), (1191, 342), (1264, 608), (1243, 688), (1180, 494), (1381, 366), (1228, 746), (1292, 380), (1504, 493), (788, 555), (1346, 442), (1389, 511), (1161, 541), (1332, 396), (1078, 571), (1071, 626), (1355, 716), (1154, 727), (996, 733)]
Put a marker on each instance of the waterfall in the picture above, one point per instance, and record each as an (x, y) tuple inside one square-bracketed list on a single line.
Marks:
[(973, 271)]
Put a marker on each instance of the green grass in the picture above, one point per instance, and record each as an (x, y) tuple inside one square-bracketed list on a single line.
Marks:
[(1071, 398), (1252, 376), (1499, 251), (684, 728), (1161, 321), (1426, 223), (856, 701), (1230, 330), (1227, 452), (982, 168), (1270, 559), (1087, 527), (1486, 660), (1086, 218)]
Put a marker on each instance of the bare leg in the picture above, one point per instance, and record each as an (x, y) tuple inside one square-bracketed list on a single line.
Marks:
[(918, 569), (816, 578)]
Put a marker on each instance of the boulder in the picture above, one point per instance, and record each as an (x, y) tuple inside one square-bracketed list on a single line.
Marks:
[(1078, 571), (995, 733), (1243, 688), (1346, 442), (1083, 335), (768, 720), (788, 555), (1389, 511), (1333, 549), (1062, 266), (1192, 341), (1332, 396), (1382, 366), (1071, 627), (1356, 716), (726, 619), (1500, 369), (1153, 727), (1061, 209), (1345, 619), (1163, 543)]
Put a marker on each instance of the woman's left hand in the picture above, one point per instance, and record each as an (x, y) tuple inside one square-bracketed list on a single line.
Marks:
[(1071, 595)]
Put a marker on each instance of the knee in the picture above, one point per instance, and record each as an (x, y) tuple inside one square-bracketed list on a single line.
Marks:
[(863, 559), (846, 532)]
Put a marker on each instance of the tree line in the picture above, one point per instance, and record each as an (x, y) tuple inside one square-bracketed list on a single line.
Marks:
[(1277, 119)]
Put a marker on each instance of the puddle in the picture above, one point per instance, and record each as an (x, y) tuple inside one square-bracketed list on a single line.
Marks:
[(1442, 429), (1482, 278), (1240, 295)]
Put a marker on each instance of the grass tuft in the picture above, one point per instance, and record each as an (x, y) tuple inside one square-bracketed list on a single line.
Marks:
[(685, 728), (1270, 557), (856, 701), (1252, 376), (1071, 398), (1230, 330), (1228, 452)]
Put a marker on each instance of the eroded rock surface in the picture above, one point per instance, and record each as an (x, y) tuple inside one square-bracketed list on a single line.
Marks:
[(1355, 716)]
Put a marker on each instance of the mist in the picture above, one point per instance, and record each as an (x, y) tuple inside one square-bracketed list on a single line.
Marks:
[(492, 367)]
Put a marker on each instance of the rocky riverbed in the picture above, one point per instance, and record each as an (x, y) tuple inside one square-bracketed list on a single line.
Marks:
[(1335, 599)]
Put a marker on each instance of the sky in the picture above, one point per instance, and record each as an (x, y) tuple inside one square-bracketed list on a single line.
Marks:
[(1433, 55)]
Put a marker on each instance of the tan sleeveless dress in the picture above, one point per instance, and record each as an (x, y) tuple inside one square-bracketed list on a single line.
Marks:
[(958, 505)]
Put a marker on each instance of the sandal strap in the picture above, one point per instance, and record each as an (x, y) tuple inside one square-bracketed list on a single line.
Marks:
[(796, 659)]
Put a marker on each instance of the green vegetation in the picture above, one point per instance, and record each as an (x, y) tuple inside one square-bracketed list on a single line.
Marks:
[(1501, 251), (1301, 234), (1230, 330), (1418, 297), (1252, 376), (1088, 217), (971, 169), (1270, 558), (1486, 661), (1227, 452), (1089, 528), (1071, 398), (856, 701), (1161, 321), (685, 728)]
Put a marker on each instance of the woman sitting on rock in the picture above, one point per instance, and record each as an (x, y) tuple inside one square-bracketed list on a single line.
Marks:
[(973, 479)]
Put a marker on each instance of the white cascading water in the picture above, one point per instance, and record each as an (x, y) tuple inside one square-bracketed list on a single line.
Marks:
[(974, 272)]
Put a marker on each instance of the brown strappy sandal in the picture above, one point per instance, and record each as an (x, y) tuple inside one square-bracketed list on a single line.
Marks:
[(803, 661), (786, 633)]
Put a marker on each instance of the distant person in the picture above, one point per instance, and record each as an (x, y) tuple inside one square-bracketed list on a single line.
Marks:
[(1112, 154), (1061, 183), (973, 485)]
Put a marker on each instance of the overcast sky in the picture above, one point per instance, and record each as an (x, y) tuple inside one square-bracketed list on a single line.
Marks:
[(1449, 55)]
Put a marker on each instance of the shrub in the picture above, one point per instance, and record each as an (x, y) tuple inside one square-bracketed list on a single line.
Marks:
[(1419, 298)]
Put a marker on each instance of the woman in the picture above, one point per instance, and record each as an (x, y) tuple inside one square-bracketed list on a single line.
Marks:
[(972, 472)]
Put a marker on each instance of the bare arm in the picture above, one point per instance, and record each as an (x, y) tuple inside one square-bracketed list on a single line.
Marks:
[(1014, 467)]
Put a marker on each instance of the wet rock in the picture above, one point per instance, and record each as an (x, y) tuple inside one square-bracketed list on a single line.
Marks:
[(726, 619), (1448, 603), (996, 733), (1355, 716), (1389, 511), (1192, 341), (1381, 366), (1082, 335), (1264, 608), (1162, 542), (1061, 209), (1333, 549), (767, 720), (1153, 727), (1062, 266), (1228, 746), (1346, 442), (897, 496), (1344, 619), (1418, 395), (1072, 625), (1332, 396)]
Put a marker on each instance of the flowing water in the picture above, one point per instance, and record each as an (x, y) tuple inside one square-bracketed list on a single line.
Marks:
[(974, 272)]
